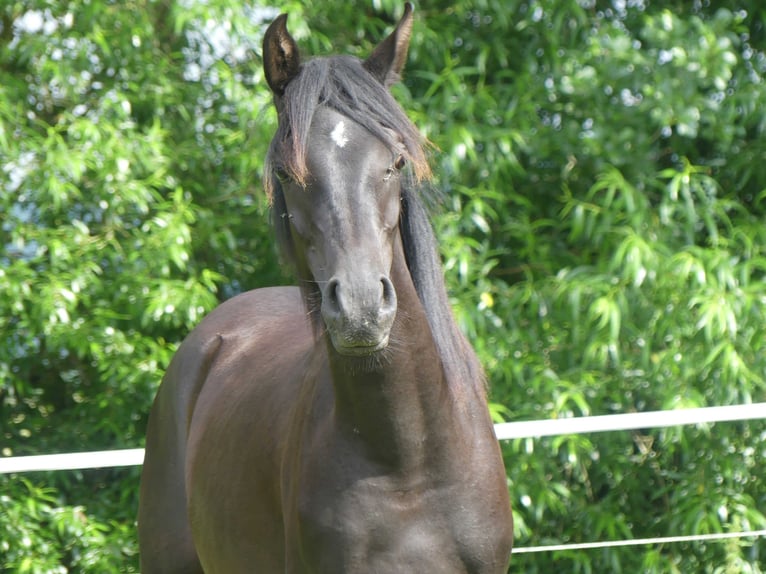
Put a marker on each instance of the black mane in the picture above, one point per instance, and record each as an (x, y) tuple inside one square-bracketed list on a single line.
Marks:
[(421, 250)]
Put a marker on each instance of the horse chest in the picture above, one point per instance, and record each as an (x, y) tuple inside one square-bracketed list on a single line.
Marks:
[(378, 524)]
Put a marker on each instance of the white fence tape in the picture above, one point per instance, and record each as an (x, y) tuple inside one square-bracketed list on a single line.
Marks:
[(641, 542), (72, 461), (504, 431), (629, 421)]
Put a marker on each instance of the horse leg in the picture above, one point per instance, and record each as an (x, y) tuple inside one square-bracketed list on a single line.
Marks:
[(164, 533), (165, 537)]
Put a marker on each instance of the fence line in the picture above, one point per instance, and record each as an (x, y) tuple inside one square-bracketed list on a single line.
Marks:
[(641, 542), (72, 461), (629, 421), (504, 431)]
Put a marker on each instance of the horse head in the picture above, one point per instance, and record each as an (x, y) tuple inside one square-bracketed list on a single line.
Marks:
[(335, 178)]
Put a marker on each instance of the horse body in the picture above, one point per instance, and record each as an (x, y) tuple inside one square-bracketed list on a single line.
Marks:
[(340, 427)]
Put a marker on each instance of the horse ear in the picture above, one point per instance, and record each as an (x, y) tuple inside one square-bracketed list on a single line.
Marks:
[(387, 60), (281, 60)]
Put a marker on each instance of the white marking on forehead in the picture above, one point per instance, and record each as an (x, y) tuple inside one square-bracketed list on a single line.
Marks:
[(338, 134)]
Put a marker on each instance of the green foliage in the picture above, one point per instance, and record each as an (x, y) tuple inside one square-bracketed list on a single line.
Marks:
[(41, 536), (605, 249), (131, 141), (604, 175)]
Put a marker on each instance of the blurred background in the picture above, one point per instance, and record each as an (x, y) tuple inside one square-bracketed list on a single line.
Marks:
[(603, 168)]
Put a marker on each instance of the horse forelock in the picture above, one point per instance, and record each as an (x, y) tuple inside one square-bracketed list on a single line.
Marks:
[(341, 83)]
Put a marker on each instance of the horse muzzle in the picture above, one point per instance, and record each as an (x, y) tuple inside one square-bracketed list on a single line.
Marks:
[(359, 314)]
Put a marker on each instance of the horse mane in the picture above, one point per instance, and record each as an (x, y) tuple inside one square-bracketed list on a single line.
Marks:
[(342, 83), (424, 262)]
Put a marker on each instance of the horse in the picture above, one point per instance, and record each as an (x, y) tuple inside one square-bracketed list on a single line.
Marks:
[(339, 426)]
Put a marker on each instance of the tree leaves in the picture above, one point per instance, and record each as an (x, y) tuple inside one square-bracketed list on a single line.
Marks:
[(603, 175), (113, 165), (622, 251)]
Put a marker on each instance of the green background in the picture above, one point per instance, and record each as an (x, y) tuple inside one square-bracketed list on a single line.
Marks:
[(604, 174)]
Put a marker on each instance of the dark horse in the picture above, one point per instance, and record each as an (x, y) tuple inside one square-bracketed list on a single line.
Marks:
[(341, 427)]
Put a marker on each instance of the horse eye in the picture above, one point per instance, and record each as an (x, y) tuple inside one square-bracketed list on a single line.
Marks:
[(398, 164), (281, 175)]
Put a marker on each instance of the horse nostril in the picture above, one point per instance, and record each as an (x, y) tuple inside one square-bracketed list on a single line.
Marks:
[(332, 294), (388, 294)]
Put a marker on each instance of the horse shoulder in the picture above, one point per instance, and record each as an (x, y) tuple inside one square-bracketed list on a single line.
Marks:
[(261, 335), (236, 435)]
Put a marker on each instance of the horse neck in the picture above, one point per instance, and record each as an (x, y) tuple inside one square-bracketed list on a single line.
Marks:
[(405, 405)]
